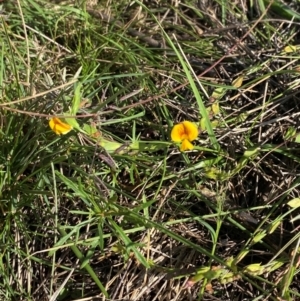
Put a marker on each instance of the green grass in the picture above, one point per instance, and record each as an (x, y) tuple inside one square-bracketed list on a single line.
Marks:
[(113, 209)]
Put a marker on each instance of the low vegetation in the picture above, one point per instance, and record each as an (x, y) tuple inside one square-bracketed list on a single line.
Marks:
[(149, 150)]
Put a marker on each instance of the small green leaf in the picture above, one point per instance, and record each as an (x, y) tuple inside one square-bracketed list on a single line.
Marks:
[(297, 139), (109, 146), (294, 203), (72, 122), (215, 124), (214, 273), (200, 274), (202, 124), (290, 48), (259, 236), (254, 269), (230, 262), (251, 152), (290, 133), (274, 265), (218, 93), (238, 81), (229, 277), (242, 117), (215, 108), (76, 100), (215, 174), (89, 129), (273, 226)]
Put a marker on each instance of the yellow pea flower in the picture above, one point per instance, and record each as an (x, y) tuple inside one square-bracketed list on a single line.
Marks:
[(59, 127), (184, 133)]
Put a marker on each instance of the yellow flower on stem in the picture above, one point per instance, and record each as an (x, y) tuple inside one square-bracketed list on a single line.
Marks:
[(184, 133), (59, 127)]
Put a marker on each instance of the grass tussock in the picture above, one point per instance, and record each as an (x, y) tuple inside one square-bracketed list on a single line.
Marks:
[(98, 202)]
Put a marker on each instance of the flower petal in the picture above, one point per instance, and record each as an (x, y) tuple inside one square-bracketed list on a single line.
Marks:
[(178, 133), (59, 127), (191, 130), (186, 145)]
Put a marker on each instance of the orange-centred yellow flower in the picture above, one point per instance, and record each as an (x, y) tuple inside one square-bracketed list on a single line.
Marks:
[(59, 127), (184, 133)]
